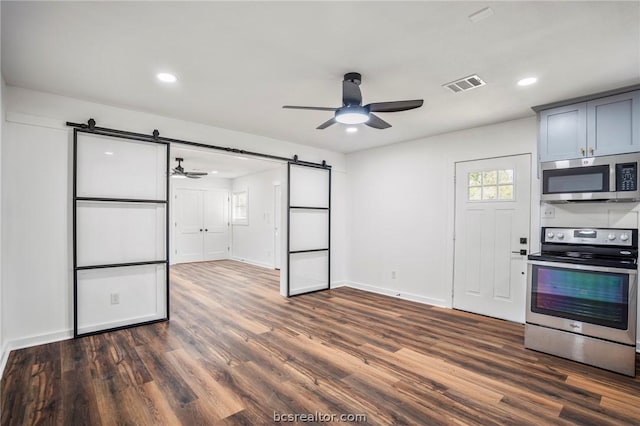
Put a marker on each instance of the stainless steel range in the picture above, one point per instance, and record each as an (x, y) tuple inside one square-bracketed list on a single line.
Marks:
[(582, 296)]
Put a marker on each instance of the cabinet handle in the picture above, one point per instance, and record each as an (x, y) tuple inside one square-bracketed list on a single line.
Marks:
[(590, 151), (582, 151)]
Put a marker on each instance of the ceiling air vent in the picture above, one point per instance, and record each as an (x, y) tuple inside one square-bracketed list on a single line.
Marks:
[(465, 84)]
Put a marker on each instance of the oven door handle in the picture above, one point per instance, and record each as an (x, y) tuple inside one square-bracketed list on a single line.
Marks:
[(587, 268)]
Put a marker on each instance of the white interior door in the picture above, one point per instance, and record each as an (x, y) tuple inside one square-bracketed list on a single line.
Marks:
[(189, 226), (277, 220), (216, 224), (492, 214)]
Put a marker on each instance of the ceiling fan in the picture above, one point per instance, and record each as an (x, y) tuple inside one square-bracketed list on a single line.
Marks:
[(179, 171), (353, 112)]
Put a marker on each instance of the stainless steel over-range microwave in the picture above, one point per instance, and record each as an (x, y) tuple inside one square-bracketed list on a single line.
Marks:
[(609, 178)]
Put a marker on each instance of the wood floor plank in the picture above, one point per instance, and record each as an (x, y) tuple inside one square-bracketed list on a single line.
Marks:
[(223, 401), (235, 352)]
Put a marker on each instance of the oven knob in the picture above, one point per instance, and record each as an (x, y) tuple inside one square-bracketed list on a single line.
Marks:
[(560, 235), (612, 237), (549, 235), (624, 237)]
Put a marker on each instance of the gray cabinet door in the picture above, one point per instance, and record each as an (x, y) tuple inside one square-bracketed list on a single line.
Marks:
[(563, 132), (613, 124)]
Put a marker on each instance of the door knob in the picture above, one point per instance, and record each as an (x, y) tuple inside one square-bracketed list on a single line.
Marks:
[(520, 252)]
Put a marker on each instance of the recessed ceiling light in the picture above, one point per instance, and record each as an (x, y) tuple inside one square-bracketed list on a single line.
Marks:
[(108, 153), (166, 77), (527, 81), (213, 172), (352, 129)]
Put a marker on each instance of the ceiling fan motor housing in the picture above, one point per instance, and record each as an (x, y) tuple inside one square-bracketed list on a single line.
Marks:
[(354, 77)]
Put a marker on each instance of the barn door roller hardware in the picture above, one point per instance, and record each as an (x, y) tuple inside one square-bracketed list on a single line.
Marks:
[(155, 137)]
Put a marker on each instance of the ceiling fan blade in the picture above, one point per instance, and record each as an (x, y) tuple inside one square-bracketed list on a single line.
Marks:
[(395, 106), (309, 107), (191, 174), (377, 122), (351, 93), (326, 124)]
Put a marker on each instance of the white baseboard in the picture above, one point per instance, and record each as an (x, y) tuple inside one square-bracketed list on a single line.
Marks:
[(399, 294), (337, 284), (253, 262), (27, 342), (122, 323), (3, 359), (310, 289)]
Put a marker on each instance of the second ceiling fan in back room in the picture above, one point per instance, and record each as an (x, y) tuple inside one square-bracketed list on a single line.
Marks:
[(353, 112), (179, 171)]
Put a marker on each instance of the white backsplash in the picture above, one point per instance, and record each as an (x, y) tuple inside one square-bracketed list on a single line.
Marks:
[(592, 215)]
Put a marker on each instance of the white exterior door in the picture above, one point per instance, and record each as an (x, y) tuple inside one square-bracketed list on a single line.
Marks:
[(201, 225), (216, 224), (492, 215)]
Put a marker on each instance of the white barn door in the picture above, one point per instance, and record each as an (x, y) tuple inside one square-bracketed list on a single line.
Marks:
[(120, 228), (309, 224)]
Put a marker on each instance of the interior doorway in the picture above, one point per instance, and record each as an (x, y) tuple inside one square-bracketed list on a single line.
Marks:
[(223, 207), (492, 222)]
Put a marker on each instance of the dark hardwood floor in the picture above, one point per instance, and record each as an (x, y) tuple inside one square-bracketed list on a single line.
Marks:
[(235, 352)]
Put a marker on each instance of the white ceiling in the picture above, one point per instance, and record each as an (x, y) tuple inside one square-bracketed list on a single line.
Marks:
[(227, 166), (239, 62)]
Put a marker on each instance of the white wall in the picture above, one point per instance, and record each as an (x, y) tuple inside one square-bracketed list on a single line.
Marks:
[(3, 351), (402, 208), (36, 196), (254, 243), (36, 226)]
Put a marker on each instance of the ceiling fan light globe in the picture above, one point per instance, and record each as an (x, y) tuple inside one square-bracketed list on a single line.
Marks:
[(352, 116)]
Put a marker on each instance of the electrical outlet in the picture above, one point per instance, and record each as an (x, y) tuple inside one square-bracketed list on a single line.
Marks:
[(549, 212), (115, 298), (393, 275)]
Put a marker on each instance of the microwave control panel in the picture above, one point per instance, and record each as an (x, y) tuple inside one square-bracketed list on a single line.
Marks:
[(627, 177)]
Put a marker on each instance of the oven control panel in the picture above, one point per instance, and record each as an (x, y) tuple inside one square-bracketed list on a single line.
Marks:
[(590, 236)]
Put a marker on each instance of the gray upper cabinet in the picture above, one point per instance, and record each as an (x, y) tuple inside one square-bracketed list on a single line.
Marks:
[(563, 132), (604, 126), (613, 124)]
